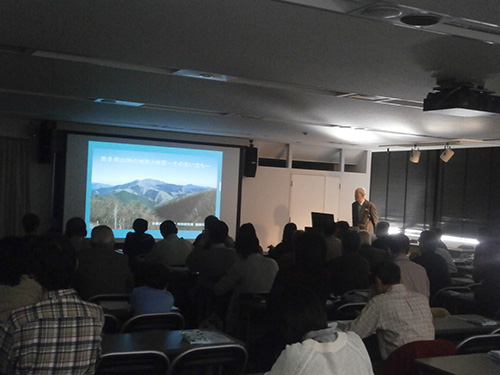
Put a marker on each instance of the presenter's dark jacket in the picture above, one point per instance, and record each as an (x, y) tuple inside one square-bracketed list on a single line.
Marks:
[(365, 217)]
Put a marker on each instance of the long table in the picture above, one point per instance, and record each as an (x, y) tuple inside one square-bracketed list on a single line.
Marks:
[(171, 343), (458, 327), (466, 364)]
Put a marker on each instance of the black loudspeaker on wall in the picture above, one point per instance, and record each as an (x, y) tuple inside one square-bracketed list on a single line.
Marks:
[(44, 136), (250, 159)]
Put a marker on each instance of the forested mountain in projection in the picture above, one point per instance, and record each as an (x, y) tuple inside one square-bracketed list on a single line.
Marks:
[(118, 206)]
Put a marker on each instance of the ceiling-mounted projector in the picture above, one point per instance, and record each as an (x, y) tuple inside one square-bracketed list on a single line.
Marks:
[(462, 100)]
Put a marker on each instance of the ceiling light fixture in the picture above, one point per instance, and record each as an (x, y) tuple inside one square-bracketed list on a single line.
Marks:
[(447, 154), (415, 155)]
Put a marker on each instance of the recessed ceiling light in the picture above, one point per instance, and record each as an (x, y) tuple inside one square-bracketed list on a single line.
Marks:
[(420, 19)]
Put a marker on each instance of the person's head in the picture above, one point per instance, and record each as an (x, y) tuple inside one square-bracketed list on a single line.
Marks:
[(384, 275), (382, 229), (218, 231), (76, 227), (299, 311), (12, 260), (247, 244), (310, 251), (342, 227), (52, 262), (330, 228), (140, 226), (31, 222), (167, 228), (351, 242), (359, 195), (102, 236), (428, 240), (365, 237), (210, 219), (485, 233), (247, 228), (288, 231), (399, 244), (155, 275)]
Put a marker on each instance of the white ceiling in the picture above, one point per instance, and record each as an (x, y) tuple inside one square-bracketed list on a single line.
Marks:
[(285, 67)]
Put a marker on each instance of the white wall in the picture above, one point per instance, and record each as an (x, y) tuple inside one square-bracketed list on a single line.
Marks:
[(266, 199)]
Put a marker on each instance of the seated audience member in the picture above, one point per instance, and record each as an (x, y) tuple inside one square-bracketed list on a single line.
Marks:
[(31, 223), (172, 250), (247, 228), (307, 267), (153, 296), (60, 334), (313, 348), (443, 252), (76, 231), (138, 242), (486, 251), (254, 273), (372, 254), (101, 270), (333, 244), (439, 232), (212, 263), (285, 246), (487, 294), (203, 240), (435, 265), (341, 227), (350, 270), (382, 234), (413, 275), (396, 315), (17, 289)]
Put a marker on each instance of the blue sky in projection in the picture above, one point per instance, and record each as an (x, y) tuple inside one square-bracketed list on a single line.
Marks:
[(116, 164)]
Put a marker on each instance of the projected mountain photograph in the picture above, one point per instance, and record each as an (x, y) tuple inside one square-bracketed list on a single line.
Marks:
[(118, 206), (128, 181)]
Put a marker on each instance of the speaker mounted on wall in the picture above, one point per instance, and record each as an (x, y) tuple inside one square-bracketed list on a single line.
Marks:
[(250, 160), (44, 141)]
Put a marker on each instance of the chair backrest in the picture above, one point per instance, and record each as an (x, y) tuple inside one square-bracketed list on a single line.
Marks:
[(228, 359), (402, 360), (439, 299), (133, 363), (111, 324), (169, 320), (115, 304), (356, 295), (109, 297), (479, 344), (348, 311)]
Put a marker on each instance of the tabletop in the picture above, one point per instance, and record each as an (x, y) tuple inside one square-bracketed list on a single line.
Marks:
[(458, 327), (466, 364), (171, 343)]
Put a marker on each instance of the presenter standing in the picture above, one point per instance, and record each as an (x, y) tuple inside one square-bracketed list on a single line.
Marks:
[(364, 212)]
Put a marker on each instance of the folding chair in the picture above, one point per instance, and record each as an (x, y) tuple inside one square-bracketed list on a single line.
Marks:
[(133, 363), (479, 344), (169, 320), (214, 360)]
